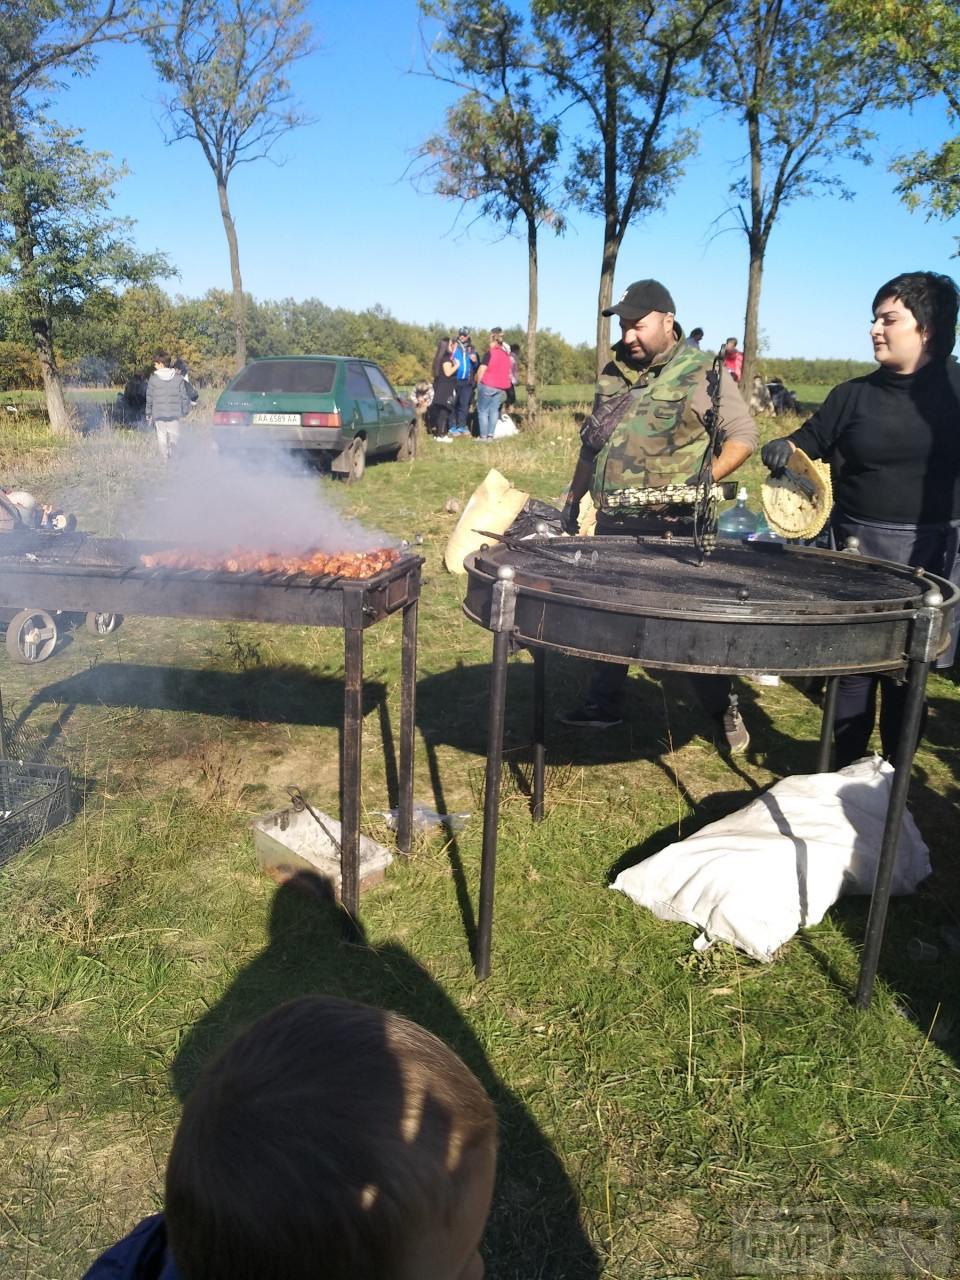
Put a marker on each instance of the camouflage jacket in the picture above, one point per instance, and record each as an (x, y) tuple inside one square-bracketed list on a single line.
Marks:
[(658, 440)]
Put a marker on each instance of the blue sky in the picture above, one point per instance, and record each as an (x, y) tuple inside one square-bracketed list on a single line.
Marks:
[(340, 221)]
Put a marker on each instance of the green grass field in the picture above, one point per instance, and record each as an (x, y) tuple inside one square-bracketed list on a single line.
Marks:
[(654, 1103)]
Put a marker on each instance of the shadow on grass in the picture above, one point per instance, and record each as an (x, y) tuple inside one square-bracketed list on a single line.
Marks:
[(313, 947), (661, 714), (274, 695)]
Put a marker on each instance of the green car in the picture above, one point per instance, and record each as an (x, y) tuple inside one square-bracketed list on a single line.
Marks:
[(338, 409)]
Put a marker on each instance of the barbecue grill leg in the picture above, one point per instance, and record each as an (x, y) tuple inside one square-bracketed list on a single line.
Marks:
[(903, 764), (491, 800), (539, 736), (350, 782), (827, 722), (408, 697), (3, 736)]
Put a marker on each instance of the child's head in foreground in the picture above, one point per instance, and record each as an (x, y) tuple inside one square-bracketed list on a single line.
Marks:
[(337, 1140)]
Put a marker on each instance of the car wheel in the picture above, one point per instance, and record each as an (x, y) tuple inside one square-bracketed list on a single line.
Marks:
[(32, 636), (102, 624), (408, 448), (358, 461)]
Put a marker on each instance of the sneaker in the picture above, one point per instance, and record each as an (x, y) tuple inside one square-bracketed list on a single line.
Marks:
[(442, 439), (732, 734), (589, 716)]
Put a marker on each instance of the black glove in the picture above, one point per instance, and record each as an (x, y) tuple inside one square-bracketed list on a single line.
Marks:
[(570, 518), (775, 455)]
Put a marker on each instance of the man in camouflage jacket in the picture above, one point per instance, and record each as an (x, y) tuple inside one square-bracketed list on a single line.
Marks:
[(647, 430)]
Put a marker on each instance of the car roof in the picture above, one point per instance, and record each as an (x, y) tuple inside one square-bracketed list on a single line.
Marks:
[(267, 359)]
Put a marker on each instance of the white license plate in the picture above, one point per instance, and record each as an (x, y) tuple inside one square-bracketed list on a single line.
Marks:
[(276, 419)]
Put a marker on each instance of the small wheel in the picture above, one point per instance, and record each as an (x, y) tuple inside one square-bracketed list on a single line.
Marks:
[(32, 636), (102, 624), (408, 448), (358, 461)]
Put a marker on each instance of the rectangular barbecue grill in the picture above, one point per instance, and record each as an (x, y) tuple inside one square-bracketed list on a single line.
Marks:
[(64, 571)]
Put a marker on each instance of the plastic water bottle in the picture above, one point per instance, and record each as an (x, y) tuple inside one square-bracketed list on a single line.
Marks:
[(738, 521), (763, 532)]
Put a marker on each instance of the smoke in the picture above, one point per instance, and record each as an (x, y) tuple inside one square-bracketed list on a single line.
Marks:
[(272, 502)]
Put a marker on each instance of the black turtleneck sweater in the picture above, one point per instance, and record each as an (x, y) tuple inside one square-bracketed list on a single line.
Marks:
[(893, 444)]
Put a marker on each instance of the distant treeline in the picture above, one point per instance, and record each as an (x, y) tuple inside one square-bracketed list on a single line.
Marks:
[(796, 370), (107, 341)]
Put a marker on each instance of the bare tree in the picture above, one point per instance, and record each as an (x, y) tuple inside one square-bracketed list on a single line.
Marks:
[(629, 67), (789, 72), (499, 151), (53, 232), (226, 62)]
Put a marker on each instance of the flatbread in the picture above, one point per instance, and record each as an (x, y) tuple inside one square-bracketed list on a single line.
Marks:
[(788, 511)]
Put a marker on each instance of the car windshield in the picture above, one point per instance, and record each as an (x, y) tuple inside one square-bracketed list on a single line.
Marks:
[(297, 377)]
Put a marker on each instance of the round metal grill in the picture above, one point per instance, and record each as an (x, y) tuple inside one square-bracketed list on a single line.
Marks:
[(748, 607)]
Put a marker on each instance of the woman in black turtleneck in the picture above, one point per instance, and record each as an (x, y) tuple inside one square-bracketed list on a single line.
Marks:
[(893, 443)]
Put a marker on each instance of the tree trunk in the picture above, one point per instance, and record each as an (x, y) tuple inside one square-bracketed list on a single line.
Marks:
[(25, 291), (57, 411), (751, 318), (757, 246), (239, 310), (608, 266), (533, 406)]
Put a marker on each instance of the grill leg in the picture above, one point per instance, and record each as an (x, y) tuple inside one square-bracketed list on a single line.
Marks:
[(350, 783), (539, 736), (827, 722), (491, 800), (3, 735), (903, 764), (408, 699)]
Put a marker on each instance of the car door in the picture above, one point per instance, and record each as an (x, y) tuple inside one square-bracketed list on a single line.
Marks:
[(361, 413), (394, 418)]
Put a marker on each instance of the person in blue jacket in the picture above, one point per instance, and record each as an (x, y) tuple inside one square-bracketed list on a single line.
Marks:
[(466, 360), (329, 1139)]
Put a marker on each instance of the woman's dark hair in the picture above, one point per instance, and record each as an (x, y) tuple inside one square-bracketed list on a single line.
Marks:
[(696, 334), (441, 353), (932, 300)]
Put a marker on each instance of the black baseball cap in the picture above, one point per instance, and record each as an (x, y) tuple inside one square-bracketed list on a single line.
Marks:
[(639, 298)]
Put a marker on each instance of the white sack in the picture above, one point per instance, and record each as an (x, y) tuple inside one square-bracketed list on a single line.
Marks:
[(505, 427), (491, 508), (756, 877)]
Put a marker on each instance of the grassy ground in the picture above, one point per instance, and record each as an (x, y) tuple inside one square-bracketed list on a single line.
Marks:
[(654, 1103)]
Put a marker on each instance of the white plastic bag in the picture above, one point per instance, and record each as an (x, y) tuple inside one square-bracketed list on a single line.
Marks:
[(505, 427), (757, 876)]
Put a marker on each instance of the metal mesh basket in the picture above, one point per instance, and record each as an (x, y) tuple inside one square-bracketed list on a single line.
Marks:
[(34, 798)]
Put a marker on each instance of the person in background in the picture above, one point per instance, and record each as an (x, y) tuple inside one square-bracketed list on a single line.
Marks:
[(648, 430), (329, 1139), (444, 390), (168, 403), (421, 397), (466, 360), (732, 359), (514, 374), (694, 338), (892, 439), (181, 367), (493, 379)]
